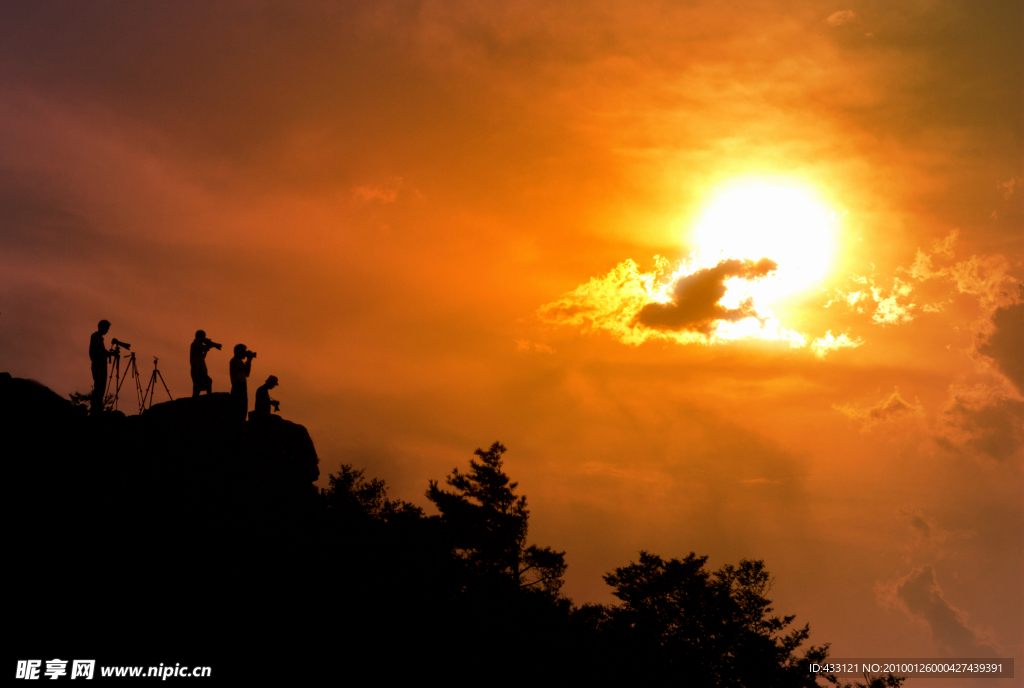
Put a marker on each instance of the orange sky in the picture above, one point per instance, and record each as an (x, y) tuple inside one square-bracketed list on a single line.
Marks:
[(384, 200)]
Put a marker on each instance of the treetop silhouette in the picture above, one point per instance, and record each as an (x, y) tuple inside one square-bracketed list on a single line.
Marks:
[(488, 524), (350, 493), (716, 628)]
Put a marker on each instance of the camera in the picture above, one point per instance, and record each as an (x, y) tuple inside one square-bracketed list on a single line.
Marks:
[(250, 354), (116, 342), (210, 343)]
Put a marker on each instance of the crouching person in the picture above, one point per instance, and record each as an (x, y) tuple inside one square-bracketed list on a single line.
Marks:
[(263, 400)]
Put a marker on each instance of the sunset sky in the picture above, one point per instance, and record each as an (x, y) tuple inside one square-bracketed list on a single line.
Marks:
[(740, 278)]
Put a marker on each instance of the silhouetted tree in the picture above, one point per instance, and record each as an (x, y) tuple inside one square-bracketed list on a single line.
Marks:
[(82, 401), (488, 525), (888, 681), (350, 493), (715, 629)]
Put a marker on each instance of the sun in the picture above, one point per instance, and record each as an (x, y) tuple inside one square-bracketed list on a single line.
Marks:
[(783, 222)]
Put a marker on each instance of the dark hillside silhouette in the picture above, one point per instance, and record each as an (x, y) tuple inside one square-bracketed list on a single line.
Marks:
[(185, 534), (173, 529)]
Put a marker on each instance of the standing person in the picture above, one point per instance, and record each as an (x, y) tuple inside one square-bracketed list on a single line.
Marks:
[(239, 369), (98, 354), (201, 380)]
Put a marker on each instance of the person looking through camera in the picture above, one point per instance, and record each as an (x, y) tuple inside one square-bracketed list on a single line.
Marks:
[(201, 380), (98, 355), (239, 369)]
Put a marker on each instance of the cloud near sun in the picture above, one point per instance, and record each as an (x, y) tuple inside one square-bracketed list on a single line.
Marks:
[(696, 298), (758, 242), (700, 301)]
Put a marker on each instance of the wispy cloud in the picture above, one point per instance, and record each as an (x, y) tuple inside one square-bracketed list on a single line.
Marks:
[(889, 310), (944, 247), (928, 535), (893, 407), (990, 278), (1000, 294), (385, 193), (528, 346), (823, 345), (891, 305), (1008, 187), (840, 17)]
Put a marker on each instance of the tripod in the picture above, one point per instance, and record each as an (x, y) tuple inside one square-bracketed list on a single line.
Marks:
[(151, 387), (115, 376)]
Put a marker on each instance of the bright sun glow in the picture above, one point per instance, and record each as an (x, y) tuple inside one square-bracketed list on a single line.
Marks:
[(756, 243), (723, 291), (784, 223)]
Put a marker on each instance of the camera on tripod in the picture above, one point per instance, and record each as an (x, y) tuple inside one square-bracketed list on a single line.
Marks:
[(116, 342)]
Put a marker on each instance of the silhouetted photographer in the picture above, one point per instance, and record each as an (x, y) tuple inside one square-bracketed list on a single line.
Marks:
[(201, 380), (239, 369), (263, 400), (98, 355)]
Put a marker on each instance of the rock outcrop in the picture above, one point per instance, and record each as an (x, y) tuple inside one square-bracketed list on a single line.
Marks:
[(183, 508)]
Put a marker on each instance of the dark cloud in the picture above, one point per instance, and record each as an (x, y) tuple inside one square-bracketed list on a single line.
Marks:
[(920, 526), (921, 596), (982, 421), (1004, 346), (695, 298), (929, 537)]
